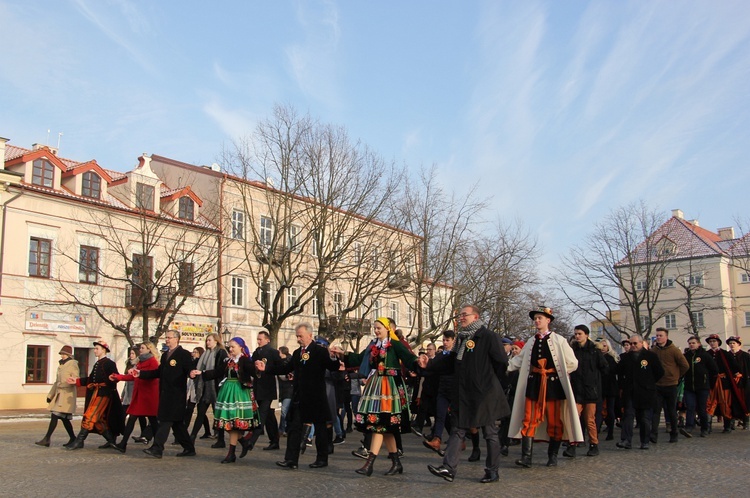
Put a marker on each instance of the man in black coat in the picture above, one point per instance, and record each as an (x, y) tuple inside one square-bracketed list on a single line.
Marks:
[(174, 369), (639, 370), (264, 386), (478, 361), (699, 378), (308, 365)]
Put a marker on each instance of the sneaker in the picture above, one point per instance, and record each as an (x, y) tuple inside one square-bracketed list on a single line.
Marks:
[(339, 440), (686, 433), (361, 452), (308, 442)]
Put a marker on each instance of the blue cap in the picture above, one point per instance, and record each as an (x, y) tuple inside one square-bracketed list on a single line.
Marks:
[(507, 341), (322, 341)]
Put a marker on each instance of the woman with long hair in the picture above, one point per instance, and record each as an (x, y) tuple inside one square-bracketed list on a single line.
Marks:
[(236, 409), (383, 409), (608, 406), (145, 398), (205, 390)]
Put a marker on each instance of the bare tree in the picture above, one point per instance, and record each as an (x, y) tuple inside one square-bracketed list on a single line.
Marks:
[(619, 265), (324, 197), (155, 265)]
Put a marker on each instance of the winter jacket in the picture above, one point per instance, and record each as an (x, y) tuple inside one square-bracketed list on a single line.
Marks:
[(702, 370), (673, 361), (587, 378)]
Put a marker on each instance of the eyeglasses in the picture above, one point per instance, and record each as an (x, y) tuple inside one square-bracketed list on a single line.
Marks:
[(634, 343), (464, 315)]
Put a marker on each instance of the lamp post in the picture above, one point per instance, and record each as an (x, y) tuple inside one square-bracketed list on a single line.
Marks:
[(226, 335)]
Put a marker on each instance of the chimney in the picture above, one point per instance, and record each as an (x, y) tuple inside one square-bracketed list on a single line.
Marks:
[(677, 213), (3, 140), (726, 233), (694, 223), (40, 146)]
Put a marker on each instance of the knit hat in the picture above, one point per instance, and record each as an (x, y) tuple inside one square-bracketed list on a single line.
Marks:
[(714, 336), (66, 350), (520, 344), (542, 310)]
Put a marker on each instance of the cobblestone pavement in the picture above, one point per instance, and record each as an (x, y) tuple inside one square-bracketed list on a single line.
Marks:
[(715, 466)]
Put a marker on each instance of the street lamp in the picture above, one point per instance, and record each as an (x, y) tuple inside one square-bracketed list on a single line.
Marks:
[(226, 335)]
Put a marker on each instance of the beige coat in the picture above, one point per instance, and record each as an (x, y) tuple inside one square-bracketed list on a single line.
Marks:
[(63, 395), (565, 362)]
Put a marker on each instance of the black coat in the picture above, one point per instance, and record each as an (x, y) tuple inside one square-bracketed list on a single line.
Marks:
[(309, 381), (173, 373), (638, 375), (702, 370), (100, 373), (586, 380), (265, 385), (610, 389), (478, 395)]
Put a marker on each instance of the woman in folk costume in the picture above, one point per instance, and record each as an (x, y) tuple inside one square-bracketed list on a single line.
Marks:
[(236, 409), (62, 397), (383, 407)]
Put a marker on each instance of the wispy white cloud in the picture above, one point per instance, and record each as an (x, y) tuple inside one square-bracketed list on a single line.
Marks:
[(233, 122)]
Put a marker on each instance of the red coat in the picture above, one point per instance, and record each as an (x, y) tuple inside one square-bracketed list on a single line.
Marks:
[(145, 401)]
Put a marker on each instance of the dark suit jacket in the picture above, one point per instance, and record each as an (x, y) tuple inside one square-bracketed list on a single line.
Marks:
[(265, 384), (309, 381), (173, 373), (638, 376)]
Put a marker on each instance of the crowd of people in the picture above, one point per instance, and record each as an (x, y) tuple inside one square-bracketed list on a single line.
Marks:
[(548, 388)]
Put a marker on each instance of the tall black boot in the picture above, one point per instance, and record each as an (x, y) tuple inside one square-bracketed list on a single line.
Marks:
[(107, 435), (78, 442), (527, 446), (476, 453), (396, 467), (554, 448), (246, 442), (366, 469), (305, 437)]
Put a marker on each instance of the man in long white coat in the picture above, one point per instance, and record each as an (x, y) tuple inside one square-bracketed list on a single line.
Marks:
[(544, 398)]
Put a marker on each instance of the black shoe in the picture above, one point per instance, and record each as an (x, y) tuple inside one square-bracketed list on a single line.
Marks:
[(288, 464), (273, 446), (121, 446), (140, 440), (317, 464), (475, 455), (219, 444), (570, 451), (593, 450), (442, 471), (206, 436), (624, 445), (339, 440), (416, 432), (105, 446), (186, 453), (644, 446), (504, 450), (686, 433), (152, 452), (230, 458), (704, 433), (609, 437), (653, 439), (43, 442), (489, 476)]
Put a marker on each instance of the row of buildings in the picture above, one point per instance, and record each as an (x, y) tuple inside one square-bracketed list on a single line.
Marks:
[(88, 253)]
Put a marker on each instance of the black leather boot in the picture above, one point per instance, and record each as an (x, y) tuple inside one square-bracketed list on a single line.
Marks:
[(366, 469), (107, 435), (476, 453), (78, 443), (554, 448), (570, 451), (527, 446), (396, 467)]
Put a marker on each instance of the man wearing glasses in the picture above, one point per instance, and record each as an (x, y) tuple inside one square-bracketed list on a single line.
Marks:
[(477, 361), (173, 372), (639, 370)]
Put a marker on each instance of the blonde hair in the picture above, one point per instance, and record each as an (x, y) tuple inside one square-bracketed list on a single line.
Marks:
[(151, 348), (610, 351), (217, 338)]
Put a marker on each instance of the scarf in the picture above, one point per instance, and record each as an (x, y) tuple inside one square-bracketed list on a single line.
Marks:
[(464, 335), (144, 356), (63, 362)]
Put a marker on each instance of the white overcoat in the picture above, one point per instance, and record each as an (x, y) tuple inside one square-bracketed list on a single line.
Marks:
[(565, 362)]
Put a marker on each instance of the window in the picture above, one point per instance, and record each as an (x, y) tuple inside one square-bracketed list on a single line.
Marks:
[(92, 185), (394, 311), (357, 254), (670, 321), (316, 304), (747, 319), (376, 309), (338, 247), (641, 285), (186, 279), (667, 283), (40, 255), (88, 265), (293, 239), (187, 208), (315, 242), (426, 318), (696, 279), (645, 322), (43, 173), (144, 196), (238, 224), (142, 271), (265, 235), (238, 291), (291, 298), (698, 319), (338, 303), (265, 295), (375, 263), (410, 316), (36, 364), (744, 277)]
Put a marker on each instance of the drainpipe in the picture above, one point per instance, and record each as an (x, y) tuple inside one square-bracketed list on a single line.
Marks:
[(2, 240)]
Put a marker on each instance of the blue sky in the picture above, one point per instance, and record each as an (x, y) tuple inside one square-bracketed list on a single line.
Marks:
[(561, 110)]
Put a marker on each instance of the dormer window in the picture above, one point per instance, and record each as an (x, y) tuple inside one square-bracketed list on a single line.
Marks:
[(144, 196), (187, 207), (43, 173), (92, 185)]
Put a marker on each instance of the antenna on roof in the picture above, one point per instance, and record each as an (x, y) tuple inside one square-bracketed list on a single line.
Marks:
[(47, 136), (59, 136)]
